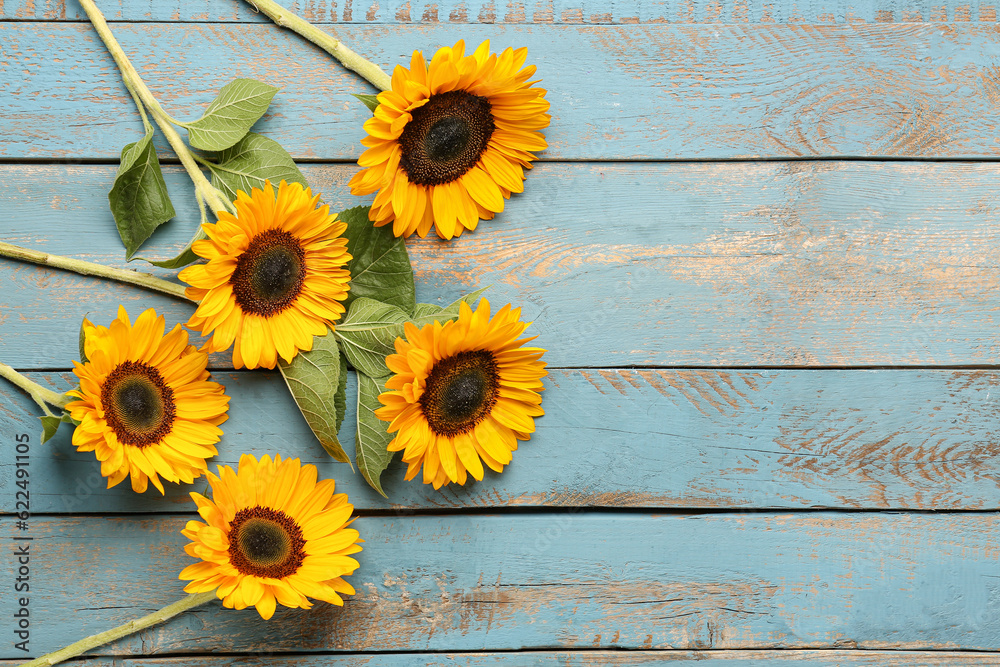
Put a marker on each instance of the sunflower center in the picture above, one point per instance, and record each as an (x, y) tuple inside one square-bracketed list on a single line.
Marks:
[(445, 137), (138, 404), (265, 542), (269, 273), (461, 391)]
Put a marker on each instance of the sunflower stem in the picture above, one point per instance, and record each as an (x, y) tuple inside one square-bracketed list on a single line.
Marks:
[(325, 41), (139, 90), (125, 630), (92, 269), (39, 394)]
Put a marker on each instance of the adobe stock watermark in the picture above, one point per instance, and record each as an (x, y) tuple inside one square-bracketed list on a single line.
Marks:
[(21, 553)]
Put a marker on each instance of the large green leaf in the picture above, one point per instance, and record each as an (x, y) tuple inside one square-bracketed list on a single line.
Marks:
[(368, 334), (138, 198), (314, 378), (380, 268), (372, 440), (252, 160), (231, 114)]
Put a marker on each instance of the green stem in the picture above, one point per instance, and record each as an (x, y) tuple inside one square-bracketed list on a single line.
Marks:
[(142, 109), (136, 86), (91, 269), (325, 41), (125, 630), (44, 397)]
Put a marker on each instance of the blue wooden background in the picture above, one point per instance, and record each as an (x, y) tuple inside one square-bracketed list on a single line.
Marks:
[(762, 251)]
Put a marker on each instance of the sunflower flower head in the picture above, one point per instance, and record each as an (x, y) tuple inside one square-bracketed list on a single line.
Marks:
[(451, 140), (145, 405), (271, 535), (275, 276), (463, 393)]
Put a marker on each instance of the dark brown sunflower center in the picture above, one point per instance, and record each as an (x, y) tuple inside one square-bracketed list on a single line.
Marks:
[(269, 273), (265, 542), (461, 390), (445, 137), (138, 404)]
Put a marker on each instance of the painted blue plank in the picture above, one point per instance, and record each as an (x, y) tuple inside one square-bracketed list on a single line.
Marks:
[(723, 581), (921, 440), (804, 264), (519, 12), (581, 658), (618, 92)]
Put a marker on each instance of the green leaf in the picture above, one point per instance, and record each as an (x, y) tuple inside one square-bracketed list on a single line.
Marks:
[(370, 101), (426, 313), (138, 198), (380, 268), (187, 256), (252, 160), (314, 378), (368, 334), (340, 398), (228, 118), (424, 310), (50, 425), (82, 343), (372, 440)]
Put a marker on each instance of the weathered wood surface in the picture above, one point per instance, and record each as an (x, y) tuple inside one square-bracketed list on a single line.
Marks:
[(622, 92), (775, 264), (518, 11), (646, 264), (579, 658), (583, 580), (923, 440)]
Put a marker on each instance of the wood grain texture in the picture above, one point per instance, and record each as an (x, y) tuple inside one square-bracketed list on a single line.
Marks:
[(555, 581), (923, 440), (580, 658), (618, 92), (518, 12), (743, 264)]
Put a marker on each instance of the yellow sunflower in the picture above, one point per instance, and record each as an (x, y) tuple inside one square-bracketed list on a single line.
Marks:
[(275, 276), (273, 534), (463, 392), (451, 140), (146, 406)]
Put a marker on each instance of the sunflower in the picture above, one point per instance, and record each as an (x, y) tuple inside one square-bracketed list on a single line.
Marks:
[(272, 534), (464, 392), (275, 276), (449, 142), (146, 407)]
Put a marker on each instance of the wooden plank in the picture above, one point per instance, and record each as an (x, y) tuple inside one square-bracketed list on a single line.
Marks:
[(802, 658), (519, 11), (737, 264), (923, 440), (618, 92), (554, 581)]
